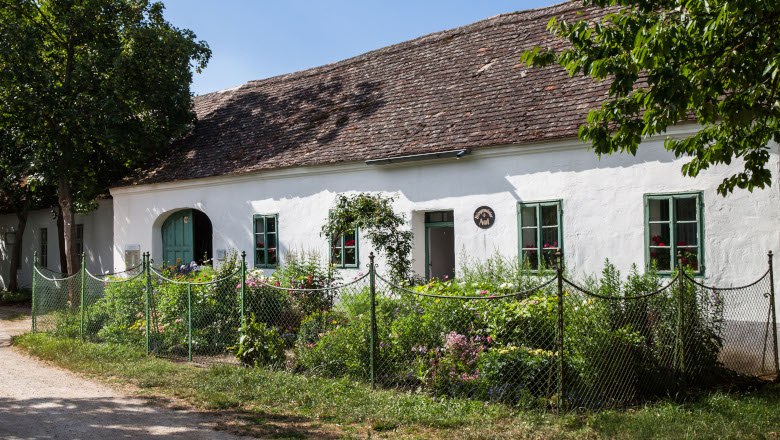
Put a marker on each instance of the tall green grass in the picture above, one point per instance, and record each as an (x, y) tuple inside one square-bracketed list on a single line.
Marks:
[(353, 409)]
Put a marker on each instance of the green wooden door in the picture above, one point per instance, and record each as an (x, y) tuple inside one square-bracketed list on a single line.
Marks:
[(177, 240)]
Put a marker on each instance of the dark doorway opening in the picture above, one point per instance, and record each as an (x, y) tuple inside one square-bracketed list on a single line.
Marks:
[(439, 245), (202, 236)]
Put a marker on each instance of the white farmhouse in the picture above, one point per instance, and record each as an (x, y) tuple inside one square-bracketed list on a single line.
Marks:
[(479, 151)]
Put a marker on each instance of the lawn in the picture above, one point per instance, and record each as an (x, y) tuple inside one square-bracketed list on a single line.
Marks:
[(284, 405)]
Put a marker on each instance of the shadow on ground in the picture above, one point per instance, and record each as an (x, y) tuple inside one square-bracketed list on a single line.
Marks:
[(106, 418), (98, 418)]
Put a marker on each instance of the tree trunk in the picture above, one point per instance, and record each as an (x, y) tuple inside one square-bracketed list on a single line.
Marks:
[(16, 255), (61, 241), (68, 225)]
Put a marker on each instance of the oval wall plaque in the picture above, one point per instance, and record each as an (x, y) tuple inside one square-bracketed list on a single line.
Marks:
[(484, 217)]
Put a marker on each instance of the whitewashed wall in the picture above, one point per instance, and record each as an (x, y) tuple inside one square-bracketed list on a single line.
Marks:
[(98, 241), (603, 213)]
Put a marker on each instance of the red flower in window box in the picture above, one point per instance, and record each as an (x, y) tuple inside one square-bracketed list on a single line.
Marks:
[(681, 243), (260, 244), (349, 242)]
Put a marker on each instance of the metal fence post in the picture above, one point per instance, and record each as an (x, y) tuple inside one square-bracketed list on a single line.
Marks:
[(189, 322), (774, 315), (560, 324), (147, 299), (81, 296), (680, 343), (242, 292), (33, 299), (373, 337)]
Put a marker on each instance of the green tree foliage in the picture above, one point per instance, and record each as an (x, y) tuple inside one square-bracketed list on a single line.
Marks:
[(668, 61), (373, 214), (101, 85)]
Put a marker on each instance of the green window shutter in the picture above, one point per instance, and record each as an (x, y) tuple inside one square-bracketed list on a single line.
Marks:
[(540, 232), (674, 224)]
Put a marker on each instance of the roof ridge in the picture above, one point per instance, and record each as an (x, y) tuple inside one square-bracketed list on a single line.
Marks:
[(524, 15)]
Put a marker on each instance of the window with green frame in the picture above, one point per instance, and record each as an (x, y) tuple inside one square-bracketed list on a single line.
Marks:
[(540, 232), (344, 250), (266, 229), (673, 223)]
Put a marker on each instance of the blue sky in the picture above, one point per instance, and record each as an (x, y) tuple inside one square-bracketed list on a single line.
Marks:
[(255, 39)]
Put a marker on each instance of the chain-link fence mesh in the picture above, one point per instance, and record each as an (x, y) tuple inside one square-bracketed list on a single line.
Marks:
[(310, 329), (56, 302), (553, 345), (196, 320), (487, 346), (113, 306), (747, 328)]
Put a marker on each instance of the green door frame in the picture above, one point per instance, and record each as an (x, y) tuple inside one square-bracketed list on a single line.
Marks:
[(428, 227)]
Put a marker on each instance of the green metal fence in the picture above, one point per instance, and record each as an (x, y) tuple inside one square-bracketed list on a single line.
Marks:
[(551, 345)]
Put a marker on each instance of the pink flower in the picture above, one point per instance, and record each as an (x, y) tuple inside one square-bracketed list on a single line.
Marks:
[(454, 340)]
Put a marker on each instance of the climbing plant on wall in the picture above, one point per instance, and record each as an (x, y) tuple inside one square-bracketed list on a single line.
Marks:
[(373, 214)]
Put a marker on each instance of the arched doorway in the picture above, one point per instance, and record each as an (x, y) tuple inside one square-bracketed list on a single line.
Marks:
[(186, 237)]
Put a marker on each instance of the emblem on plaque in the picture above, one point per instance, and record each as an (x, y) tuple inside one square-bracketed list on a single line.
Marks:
[(484, 217)]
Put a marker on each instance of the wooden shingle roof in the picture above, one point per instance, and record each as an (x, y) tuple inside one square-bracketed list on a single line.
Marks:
[(461, 88)]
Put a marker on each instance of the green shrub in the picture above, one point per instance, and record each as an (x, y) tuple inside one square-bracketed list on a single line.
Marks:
[(306, 271), (21, 296), (66, 322), (500, 274), (259, 345), (319, 323), (452, 369), (528, 322), (519, 376), (273, 307), (120, 314), (340, 352)]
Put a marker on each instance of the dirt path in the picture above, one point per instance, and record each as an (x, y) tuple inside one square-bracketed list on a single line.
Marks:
[(41, 402)]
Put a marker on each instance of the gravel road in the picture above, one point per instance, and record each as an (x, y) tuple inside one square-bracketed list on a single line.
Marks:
[(41, 402)]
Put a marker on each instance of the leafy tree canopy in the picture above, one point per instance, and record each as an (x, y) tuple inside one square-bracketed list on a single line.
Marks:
[(716, 62), (97, 87), (373, 214)]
